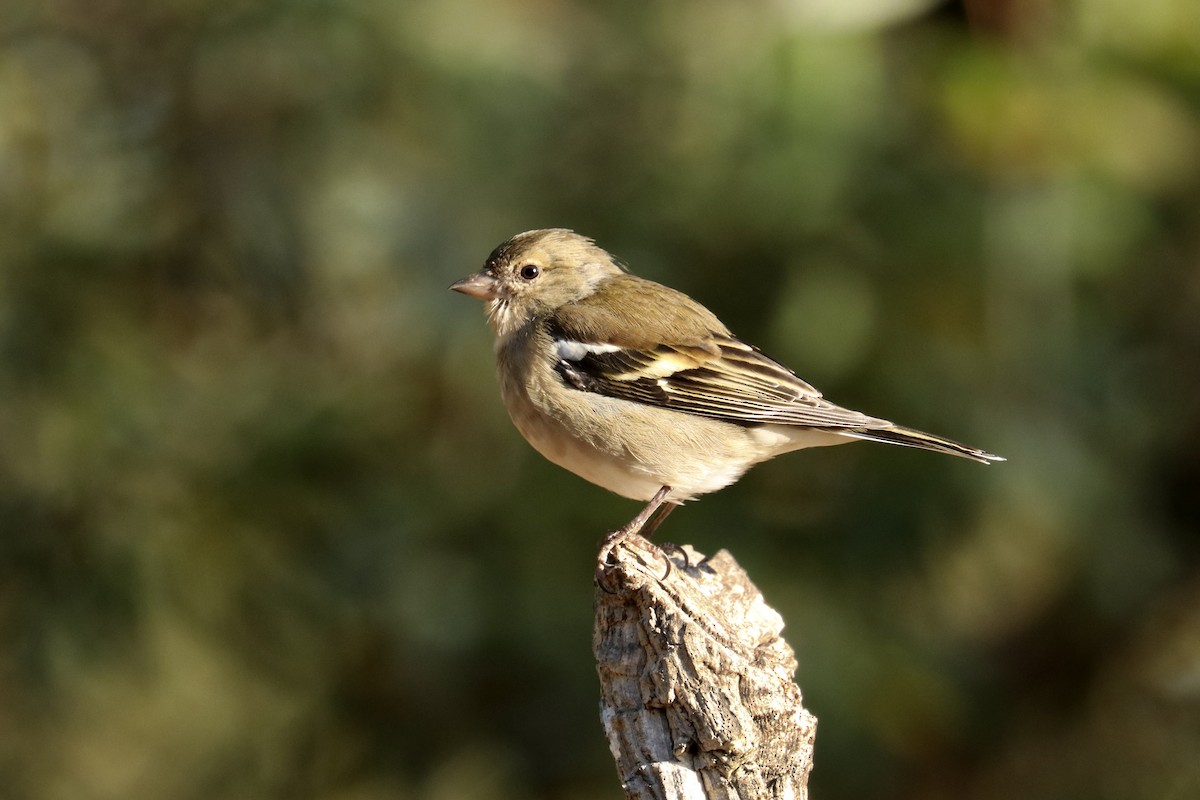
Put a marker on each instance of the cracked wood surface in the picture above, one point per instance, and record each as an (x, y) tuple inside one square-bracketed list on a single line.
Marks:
[(697, 695)]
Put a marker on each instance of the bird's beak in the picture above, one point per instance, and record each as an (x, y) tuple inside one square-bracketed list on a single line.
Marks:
[(481, 286)]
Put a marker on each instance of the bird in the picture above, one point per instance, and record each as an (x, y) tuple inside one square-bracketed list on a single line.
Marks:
[(638, 388)]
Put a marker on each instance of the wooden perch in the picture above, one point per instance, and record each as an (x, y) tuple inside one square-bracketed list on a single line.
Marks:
[(697, 697)]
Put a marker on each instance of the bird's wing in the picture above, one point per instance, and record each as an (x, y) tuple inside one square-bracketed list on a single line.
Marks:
[(714, 375)]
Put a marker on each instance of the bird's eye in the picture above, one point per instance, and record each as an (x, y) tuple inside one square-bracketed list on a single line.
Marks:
[(530, 271)]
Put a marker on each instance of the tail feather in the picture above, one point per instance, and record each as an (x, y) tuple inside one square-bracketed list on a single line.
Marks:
[(907, 437)]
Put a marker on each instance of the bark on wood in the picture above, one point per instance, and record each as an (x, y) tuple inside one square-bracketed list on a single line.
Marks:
[(697, 697)]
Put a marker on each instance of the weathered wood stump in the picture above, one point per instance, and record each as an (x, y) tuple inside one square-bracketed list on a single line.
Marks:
[(697, 696)]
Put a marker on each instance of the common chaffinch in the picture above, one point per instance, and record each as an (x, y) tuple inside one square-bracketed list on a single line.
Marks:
[(638, 388)]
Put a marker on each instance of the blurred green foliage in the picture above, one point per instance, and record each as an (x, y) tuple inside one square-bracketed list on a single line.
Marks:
[(267, 532)]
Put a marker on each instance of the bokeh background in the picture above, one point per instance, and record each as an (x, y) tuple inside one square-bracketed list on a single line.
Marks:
[(266, 531)]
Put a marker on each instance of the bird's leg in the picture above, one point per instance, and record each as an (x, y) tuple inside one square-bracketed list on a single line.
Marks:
[(652, 524), (642, 523)]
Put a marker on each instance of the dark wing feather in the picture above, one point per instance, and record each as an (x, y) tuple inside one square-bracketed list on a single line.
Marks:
[(654, 345), (720, 377)]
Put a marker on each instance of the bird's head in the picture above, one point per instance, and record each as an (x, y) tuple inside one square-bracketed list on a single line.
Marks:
[(536, 272)]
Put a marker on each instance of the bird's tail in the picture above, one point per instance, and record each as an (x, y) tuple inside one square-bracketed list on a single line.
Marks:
[(907, 437)]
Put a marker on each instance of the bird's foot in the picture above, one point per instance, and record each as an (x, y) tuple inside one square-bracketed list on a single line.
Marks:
[(644, 524)]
